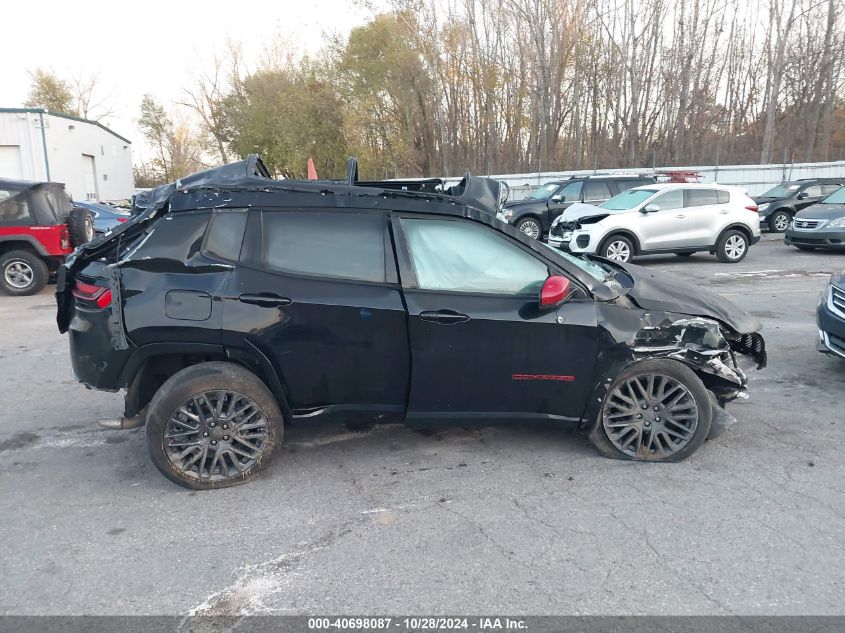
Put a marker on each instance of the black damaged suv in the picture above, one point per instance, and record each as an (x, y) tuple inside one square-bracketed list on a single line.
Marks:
[(232, 305)]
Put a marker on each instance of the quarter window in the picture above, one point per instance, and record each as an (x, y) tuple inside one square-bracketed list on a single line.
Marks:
[(225, 235), (345, 245), (723, 196), (700, 197), (463, 256)]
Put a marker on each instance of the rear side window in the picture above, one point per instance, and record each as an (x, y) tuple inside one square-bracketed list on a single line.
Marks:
[(700, 197), (813, 191), (624, 185), (829, 189), (225, 235), (595, 190), (345, 245), (14, 208)]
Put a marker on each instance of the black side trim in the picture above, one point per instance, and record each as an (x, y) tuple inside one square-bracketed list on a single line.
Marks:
[(39, 248)]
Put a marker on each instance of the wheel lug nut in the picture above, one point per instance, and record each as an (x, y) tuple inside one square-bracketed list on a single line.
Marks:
[(656, 408), (225, 426), (211, 424), (647, 423), (657, 418), (225, 437), (639, 416), (214, 442), (205, 434), (645, 406)]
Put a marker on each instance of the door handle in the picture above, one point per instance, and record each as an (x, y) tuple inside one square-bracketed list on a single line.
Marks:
[(445, 317), (680, 215), (723, 212), (265, 300)]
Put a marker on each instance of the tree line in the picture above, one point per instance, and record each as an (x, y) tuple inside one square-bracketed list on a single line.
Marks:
[(436, 87)]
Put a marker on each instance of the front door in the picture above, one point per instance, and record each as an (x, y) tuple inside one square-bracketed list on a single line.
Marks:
[(665, 228), (565, 196), (480, 347)]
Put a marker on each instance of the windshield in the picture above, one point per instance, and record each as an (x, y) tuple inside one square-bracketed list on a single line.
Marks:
[(627, 200), (837, 197), (781, 191), (544, 192)]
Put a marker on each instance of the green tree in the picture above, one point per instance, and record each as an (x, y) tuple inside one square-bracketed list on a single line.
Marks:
[(178, 149), (50, 92)]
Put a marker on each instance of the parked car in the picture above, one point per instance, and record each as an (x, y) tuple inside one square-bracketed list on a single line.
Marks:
[(106, 217), (38, 228), (830, 317), (819, 226), (779, 205), (535, 214), (665, 218), (242, 304)]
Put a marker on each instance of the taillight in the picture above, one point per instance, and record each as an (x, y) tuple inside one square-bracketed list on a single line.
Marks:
[(751, 207), (99, 296), (64, 236), (122, 219)]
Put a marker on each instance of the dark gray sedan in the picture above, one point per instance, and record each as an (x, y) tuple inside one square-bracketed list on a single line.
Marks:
[(106, 217), (821, 225)]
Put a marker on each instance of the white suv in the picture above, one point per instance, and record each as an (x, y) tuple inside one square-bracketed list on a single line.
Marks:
[(664, 218)]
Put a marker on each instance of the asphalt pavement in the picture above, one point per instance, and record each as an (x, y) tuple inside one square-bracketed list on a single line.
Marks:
[(467, 521)]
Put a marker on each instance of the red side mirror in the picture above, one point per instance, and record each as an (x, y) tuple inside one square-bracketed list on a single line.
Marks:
[(555, 290)]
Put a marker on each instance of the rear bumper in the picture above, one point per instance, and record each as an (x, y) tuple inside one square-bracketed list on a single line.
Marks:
[(820, 239), (95, 361)]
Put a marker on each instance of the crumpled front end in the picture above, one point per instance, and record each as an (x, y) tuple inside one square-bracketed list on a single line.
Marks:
[(709, 348)]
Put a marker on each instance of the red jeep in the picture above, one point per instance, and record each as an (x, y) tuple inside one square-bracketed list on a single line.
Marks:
[(38, 227)]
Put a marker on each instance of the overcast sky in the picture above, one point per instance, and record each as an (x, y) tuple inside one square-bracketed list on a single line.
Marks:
[(151, 46)]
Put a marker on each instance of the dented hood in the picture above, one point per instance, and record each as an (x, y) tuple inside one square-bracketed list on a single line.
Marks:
[(654, 290)]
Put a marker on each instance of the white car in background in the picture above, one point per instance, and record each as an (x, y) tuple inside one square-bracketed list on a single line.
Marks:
[(678, 218)]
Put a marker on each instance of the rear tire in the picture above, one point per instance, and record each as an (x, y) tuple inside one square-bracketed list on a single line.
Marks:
[(617, 248), (22, 273), (213, 425), (620, 434), (80, 225), (732, 247)]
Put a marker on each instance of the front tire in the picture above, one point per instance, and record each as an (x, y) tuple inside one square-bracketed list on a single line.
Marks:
[(22, 273), (617, 248), (779, 222), (732, 247), (531, 227), (656, 410), (213, 425)]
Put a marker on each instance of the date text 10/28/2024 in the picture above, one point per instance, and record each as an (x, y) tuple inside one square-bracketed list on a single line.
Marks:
[(421, 623)]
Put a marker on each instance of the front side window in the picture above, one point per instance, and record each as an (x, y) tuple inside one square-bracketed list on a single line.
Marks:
[(462, 256), (670, 200), (344, 245), (700, 197), (571, 192), (545, 192), (14, 208)]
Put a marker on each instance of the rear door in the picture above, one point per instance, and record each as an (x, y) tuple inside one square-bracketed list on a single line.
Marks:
[(316, 292), (480, 348), (666, 228), (706, 210)]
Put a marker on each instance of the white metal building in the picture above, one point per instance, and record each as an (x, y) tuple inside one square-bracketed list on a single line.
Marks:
[(93, 162)]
